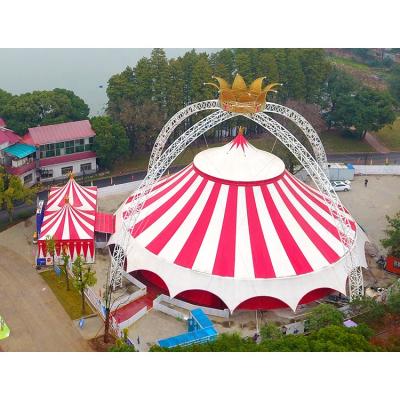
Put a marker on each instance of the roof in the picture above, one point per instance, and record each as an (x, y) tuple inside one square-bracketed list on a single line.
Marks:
[(84, 155), (239, 161), (239, 239), (20, 150), (59, 132), (8, 136), (83, 198), (70, 217), (30, 166), (105, 223)]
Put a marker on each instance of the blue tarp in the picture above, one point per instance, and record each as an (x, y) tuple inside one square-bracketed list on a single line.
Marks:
[(20, 150), (186, 339), (201, 318)]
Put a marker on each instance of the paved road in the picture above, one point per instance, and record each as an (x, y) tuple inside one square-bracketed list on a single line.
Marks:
[(36, 318)]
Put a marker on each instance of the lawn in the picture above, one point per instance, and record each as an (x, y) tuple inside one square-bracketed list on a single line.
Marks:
[(390, 135), (349, 62), (335, 142), (70, 300)]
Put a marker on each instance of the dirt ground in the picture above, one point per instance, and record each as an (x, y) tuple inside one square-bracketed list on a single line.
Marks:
[(369, 205)]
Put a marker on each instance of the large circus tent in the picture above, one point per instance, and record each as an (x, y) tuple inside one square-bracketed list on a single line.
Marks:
[(70, 218), (234, 229)]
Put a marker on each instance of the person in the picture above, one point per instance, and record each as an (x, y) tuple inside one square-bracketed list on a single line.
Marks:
[(366, 182)]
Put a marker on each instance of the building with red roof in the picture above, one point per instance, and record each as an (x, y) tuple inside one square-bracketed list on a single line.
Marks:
[(49, 152)]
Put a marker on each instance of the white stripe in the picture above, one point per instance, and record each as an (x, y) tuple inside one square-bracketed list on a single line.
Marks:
[(243, 256), (169, 181), (306, 245), (327, 216), (65, 234), (81, 221), (78, 227), (280, 261), (152, 207), (206, 256), (331, 240), (175, 245), (153, 230)]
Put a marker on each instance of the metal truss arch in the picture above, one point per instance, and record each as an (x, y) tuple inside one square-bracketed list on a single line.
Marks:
[(175, 121), (305, 126)]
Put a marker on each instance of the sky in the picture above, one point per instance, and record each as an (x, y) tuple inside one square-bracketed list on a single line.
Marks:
[(84, 71)]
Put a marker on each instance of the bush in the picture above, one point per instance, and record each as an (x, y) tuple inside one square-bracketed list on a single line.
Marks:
[(324, 315)]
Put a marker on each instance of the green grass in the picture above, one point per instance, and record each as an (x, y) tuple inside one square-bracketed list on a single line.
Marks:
[(350, 62), (390, 135), (335, 142), (70, 300), (16, 220)]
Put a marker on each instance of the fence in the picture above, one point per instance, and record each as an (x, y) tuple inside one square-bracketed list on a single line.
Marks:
[(167, 310), (187, 306), (141, 313), (377, 169)]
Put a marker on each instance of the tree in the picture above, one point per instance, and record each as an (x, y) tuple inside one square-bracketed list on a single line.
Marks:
[(5, 97), (111, 142), (84, 277), (12, 190), (270, 331), (324, 315), (43, 108), (393, 299), (338, 338), (64, 266), (368, 306), (121, 344), (394, 83), (51, 247), (392, 240)]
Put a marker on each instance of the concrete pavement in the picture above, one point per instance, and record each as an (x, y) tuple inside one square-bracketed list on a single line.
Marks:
[(37, 320)]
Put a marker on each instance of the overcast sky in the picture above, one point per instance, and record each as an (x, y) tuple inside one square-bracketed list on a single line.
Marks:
[(80, 70)]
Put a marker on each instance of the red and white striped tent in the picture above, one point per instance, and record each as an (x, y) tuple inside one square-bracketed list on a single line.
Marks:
[(70, 218), (234, 229)]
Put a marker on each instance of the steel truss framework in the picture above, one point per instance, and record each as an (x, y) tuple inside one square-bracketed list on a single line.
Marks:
[(159, 162), (180, 116)]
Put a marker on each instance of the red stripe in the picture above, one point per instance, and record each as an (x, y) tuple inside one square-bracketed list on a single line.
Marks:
[(190, 249), (262, 263), (160, 194), (322, 246), (293, 251), (158, 243), (163, 181), (155, 215), (224, 264), (326, 224), (303, 189)]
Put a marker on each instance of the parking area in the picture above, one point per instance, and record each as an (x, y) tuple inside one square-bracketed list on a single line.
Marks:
[(369, 205)]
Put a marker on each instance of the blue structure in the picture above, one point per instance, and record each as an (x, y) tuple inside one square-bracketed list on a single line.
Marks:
[(200, 330), (20, 150), (39, 216)]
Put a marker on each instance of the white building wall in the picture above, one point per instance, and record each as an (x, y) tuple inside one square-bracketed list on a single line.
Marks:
[(32, 181), (76, 167)]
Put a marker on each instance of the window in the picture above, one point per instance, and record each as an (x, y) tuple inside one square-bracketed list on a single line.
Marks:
[(60, 145), (91, 140), (42, 148), (50, 153), (46, 173), (86, 167), (28, 178), (66, 170), (88, 147), (79, 148), (80, 142), (69, 144), (69, 150), (396, 264), (50, 146)]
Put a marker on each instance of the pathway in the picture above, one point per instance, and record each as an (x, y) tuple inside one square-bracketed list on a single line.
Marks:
[(36, 318), (376, 144)]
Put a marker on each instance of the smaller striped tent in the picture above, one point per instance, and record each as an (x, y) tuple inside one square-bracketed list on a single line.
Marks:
[(70, 218)]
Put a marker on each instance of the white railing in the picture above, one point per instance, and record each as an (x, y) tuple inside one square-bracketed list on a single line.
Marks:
[(169, 311), (187, 306), (133, 280)]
